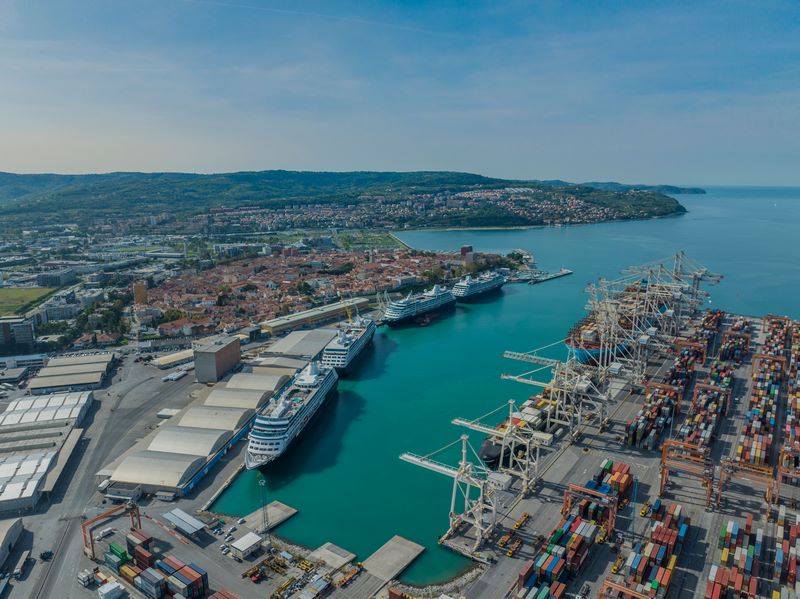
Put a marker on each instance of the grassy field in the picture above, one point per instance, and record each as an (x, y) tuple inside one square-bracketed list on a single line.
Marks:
[(13, 298)]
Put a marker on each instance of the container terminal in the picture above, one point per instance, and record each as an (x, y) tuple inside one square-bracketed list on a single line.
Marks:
[(665, 466)]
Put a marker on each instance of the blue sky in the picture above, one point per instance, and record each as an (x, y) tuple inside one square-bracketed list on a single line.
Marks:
[(675, 92)]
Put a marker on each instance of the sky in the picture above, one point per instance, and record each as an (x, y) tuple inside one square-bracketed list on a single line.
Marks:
[(640, 92)]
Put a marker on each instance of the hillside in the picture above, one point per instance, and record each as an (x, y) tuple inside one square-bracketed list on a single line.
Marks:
[(48, 198)]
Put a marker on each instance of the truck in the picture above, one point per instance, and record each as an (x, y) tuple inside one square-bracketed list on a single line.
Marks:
[(23, 561)]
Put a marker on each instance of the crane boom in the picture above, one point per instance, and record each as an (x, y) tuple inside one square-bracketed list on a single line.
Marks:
[(439, 467)]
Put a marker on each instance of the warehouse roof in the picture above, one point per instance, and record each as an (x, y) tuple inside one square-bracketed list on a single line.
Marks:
[(184, 522), (247, 542), (320, 311), (216, 345), (189, 441), (157, 468), (283, 362), (223, 397), (174, 358), (21, 475), (61, 406), (55, 382), (302, 344), (73, 369), (229, 419), (87, 359), (266, 383)]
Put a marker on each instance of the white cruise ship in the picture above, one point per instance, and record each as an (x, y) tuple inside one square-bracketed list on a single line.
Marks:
[(286, 416), (435, 298), (351, 338), (469, 287)]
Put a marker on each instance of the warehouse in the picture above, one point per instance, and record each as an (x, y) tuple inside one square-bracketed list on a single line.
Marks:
[(37, 437), (279, 365), (10, 530), (106, 358), (229, 419), (185, 523), (236, 398), (247, 545), (189, 441), (62, 406), (73, 369), (266, 383), (73, 382), (174, 359), (302, 345), (322, 314), (13, 375), (214, 360), (157, 470)]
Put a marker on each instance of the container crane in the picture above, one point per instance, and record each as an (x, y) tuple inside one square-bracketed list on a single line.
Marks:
[(86, 527)]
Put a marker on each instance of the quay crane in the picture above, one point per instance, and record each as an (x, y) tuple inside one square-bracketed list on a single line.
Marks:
[(519, 445), (468, 478)]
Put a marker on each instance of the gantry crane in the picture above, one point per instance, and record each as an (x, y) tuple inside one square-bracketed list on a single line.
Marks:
[(472, 501), (86, 527), (610, 585), (762, 475), (519, 444), (677, 456), (576, 493)]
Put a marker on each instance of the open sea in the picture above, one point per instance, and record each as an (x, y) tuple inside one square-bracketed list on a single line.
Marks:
[(344, 475)]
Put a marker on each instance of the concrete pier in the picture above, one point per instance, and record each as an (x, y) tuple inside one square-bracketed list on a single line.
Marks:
[(277, 514)]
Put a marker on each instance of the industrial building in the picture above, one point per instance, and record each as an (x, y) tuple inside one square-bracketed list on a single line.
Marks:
[(75, 373), (37, 437), (185, 523), (278, 365), (13, 375), (321, 314), (10, 530), (245, 546), (300, 345), (174, 359), (181, 452), (214, 360)]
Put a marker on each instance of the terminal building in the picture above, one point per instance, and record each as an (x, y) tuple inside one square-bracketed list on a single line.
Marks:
[(314, 316), (300, 345), (213, 360)]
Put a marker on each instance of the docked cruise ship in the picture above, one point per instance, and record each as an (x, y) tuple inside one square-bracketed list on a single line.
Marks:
[(435, 298), (286, 416), (469, 287), (351, 338)]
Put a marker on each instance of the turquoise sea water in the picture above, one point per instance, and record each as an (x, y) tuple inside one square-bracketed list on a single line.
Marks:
[(344, 475)]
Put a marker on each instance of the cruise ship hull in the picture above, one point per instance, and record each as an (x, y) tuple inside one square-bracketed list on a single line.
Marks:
[(479, 294), (352, 357), (443, 307), (254, 460)]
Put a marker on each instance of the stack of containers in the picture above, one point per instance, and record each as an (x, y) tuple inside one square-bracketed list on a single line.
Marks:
[(758, 433), (567, 547), (129, 572), (111, 590), (787, 547), (739, 567), (732, 349), (704, 415), (649, 567), (152, 583), (143, 558), (646, 425), (116, 557), (223, 595), (680, 373), (721, 373), (792, 427)]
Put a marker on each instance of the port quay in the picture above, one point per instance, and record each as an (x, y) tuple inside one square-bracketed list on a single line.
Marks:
[(659, 458)]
